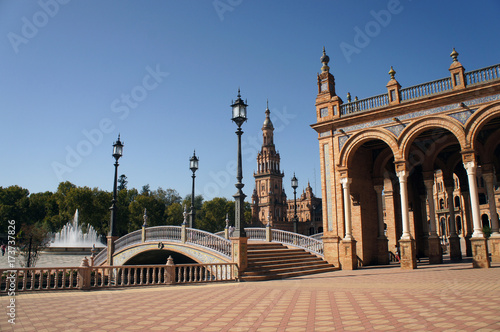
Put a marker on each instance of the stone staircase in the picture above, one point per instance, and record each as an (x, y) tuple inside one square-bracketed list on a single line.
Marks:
[(268, 261)]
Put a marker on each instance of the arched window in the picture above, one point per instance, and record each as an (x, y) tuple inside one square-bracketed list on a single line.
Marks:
[(486, 220), (459, 225)]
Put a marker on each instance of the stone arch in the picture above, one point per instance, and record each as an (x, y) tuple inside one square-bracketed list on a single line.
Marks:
[(414, 129), (195, 253), (478, 119), (348, 150)]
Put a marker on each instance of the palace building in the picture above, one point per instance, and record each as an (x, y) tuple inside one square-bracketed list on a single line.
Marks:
[(269, 200), (413, 168)]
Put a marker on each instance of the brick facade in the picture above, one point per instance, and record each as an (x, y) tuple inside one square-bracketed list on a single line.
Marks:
[(388, 153)]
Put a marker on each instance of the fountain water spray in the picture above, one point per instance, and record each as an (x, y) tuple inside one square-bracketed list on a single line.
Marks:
[(72, 235)]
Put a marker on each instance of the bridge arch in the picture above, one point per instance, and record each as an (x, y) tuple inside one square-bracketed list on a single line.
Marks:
[(195, 253)]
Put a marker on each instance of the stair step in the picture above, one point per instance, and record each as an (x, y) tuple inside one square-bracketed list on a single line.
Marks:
[(264, 262), (287, 275), (257, 267), (285, 269)]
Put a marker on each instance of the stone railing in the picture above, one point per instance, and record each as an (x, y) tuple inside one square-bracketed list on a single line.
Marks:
[(93, 277), (294, 239), (128, 240), (426, 89), (298, 240), (421, 90), (209, 240), (256, 233), (364, 104), (482, 75), (158, 233), (317, 236), (179, 234)]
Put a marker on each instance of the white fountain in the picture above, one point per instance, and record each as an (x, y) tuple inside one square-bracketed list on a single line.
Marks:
[(71, 236)]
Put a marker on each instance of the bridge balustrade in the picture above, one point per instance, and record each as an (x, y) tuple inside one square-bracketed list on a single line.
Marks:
[(94, 277), (159, 233)]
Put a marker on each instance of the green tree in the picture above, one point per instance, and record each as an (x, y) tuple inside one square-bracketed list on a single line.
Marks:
[(14, 204), (31, 240), (122, 182), (174, 214), (213, 215), (155, 212)]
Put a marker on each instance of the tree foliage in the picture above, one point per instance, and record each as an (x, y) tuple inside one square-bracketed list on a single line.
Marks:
[(50, 211)]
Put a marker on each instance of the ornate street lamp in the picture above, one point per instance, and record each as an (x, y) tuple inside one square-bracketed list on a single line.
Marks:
[(117, 153), (239, 109), (193, 165), (295, 184)]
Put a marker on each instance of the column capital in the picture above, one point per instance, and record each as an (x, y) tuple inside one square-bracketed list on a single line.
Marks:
[(345, 182), (488, 177), (470, 167), (429, 184), (378, 188), (402, 175)]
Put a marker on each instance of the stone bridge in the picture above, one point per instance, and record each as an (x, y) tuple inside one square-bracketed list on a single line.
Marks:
[(194, 245)]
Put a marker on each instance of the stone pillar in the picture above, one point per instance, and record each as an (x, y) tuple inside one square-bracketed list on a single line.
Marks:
[(435, 253), (84, 273), (143, 234), (239, 253), (111, 248), (183, 233), (467, 223), (169, 276), (349, 258), (494, 240), (331, 249), (269, 233), (406, 243), (478, 241), (346, 182), (382, 242), (453, 239)]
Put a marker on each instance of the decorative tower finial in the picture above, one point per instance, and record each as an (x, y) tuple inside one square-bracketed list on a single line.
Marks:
[(454, 55), (324, 60), (392, 72), (239, 94), (348, 97)]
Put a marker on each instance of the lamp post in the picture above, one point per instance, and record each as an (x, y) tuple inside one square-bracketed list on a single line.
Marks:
[(112, 235), (193, 165), (117, 153), (295, 184), (239, 112)]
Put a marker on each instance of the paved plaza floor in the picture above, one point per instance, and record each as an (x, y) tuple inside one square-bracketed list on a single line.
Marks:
[(448, 297)]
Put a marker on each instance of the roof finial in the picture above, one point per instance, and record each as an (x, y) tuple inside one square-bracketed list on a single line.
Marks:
[(392, 72), (454, 55), (348, 97), (239, 95), (324, 60)]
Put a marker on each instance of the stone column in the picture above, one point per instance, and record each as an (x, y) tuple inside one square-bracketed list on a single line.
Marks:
[(348, 256), (382, 242), (467, 223), (346, 182), (494, 240), (406, 243), (435, 254), (111, 248), (453, 239), (239, 253), (478, 241)]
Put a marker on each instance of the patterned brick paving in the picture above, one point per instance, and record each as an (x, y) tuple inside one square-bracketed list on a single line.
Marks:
[(450, 297)]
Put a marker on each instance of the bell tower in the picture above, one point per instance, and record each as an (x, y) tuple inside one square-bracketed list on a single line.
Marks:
[(269, 198)]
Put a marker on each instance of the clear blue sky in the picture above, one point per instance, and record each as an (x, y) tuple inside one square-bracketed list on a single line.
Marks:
[(67, 69)]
